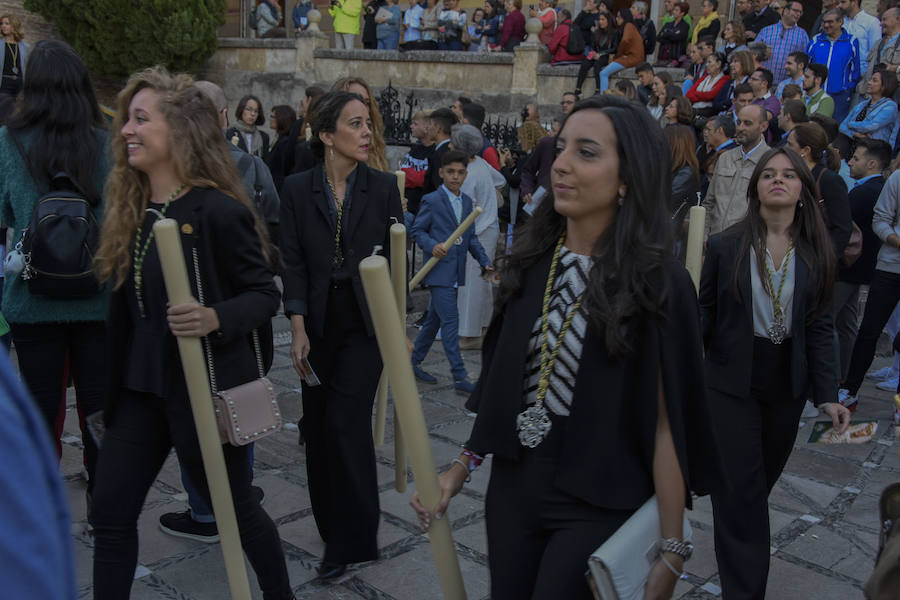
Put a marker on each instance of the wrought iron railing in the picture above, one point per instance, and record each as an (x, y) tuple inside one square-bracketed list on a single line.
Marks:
[(397, 112)]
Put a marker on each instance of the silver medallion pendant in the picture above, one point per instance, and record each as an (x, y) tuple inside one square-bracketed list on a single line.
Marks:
[(777, 331), (338, 261), (15, 70), (458, 241), (533, 425)]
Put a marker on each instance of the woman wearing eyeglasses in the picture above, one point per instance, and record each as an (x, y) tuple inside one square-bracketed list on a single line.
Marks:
[(245, 134)]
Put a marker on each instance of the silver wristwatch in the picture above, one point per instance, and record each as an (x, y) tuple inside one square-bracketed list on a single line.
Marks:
[(682, 548)]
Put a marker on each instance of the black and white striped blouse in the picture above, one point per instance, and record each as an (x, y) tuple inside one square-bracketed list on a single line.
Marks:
[(570, 281)]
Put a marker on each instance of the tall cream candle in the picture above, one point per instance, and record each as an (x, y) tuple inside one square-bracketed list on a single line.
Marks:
[(381, 395), (171, 257), (401, 182), (693, 259), (428, 266), (398, 282), (392, 343)]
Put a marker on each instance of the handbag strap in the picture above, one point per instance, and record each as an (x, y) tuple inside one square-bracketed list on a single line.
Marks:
[(207, 349)]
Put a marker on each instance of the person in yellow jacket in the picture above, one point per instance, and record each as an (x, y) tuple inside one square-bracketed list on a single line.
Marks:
[(346, 22)]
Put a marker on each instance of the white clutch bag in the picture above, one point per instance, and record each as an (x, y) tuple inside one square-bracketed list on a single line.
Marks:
[(618, 569)]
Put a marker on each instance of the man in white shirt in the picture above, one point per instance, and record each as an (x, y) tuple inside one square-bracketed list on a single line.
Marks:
[(412, 22), (862, 26)]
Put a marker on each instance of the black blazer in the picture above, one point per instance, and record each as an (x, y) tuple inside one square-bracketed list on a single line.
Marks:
[(728, 326), (237, 282), (862, 206), (606, 457), (835, 205), (307, 238)]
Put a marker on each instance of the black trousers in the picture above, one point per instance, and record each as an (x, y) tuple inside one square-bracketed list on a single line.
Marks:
[(539, 538), (136, 443), (884, 293), (756, 435), (337, 425), (47, 353), (586, 65)]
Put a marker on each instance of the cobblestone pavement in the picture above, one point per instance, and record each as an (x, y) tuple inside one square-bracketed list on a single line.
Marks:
[(823, 512)]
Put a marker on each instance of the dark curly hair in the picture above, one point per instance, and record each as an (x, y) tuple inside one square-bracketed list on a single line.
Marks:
[(626, 279)]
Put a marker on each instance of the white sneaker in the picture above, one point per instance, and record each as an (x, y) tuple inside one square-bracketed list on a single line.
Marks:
[(888, 372), (888, 385), (809, 411)]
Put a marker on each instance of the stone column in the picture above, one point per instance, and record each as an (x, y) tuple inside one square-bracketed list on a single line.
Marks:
[(527, 56), (308, 41)]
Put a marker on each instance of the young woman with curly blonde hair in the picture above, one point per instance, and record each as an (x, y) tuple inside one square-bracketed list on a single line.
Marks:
[(171, 159)]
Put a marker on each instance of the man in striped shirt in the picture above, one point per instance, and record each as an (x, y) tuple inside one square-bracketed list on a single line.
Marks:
[(783, 38)]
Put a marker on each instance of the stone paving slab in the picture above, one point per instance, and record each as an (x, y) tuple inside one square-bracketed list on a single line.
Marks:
[(823, 511)]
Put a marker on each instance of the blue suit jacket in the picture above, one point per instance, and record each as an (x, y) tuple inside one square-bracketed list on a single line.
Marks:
[(434, 223)]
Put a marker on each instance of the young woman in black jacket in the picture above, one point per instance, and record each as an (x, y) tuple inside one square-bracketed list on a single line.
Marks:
[(148, 411), (768, 330), (591, 369)]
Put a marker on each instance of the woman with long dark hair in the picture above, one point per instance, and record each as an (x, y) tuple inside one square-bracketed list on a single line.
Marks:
[(629, 49), (333, 216), (657, 102), (685, 176), (594, 352), (171, 160), (603, 46), (246, 133), (57, 128), (765, 301)]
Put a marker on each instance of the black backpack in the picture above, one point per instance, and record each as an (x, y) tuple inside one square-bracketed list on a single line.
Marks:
[(60, 241), (575, 43)]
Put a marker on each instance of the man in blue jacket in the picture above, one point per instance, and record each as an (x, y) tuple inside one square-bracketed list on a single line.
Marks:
[(439, 215), (839, 51)]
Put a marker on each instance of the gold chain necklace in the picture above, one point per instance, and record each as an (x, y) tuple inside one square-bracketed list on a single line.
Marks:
[(140, 251), (777, 330), (338, 255), (534, 422), (14, 50)]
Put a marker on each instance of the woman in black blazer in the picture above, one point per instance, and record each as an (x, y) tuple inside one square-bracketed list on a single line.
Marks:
[(621, 415), (769, 335), (225, 247), (333, 216)]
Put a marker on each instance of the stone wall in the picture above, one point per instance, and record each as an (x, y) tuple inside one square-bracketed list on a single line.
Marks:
[(278, 72)]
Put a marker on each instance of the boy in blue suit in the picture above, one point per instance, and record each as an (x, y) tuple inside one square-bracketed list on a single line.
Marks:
[(439, 214)]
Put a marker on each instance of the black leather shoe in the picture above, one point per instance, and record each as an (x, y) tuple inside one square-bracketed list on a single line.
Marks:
[(329, 570)]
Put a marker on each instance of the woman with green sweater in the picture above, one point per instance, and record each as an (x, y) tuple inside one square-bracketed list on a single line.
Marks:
[(59, 128)]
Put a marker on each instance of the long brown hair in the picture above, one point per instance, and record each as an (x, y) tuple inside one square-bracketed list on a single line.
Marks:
[(810, 235), (377, 147), (681, 142), (199, 152)]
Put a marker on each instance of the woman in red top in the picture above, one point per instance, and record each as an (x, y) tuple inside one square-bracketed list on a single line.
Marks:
[(513, 32), (560, 41), (705, 89), (630, 51)]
